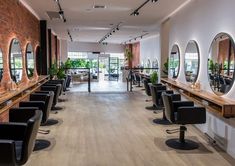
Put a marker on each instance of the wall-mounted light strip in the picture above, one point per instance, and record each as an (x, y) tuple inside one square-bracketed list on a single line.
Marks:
[(135, 38), (70, 36), (61, 12), (110, 33), (136, 11)]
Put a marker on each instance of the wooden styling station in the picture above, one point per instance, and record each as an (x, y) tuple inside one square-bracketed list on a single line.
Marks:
[(11, 98), (219, 105)]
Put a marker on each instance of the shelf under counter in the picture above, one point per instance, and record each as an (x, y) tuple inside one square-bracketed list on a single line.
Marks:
[(11, 98), (217, 104)]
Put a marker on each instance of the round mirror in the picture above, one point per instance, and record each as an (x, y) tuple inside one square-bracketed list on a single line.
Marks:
[(155, 63), (148, 65), (191, 62), (174, 62), (29, 60), (1, 65), (16, 61), (221, 64)]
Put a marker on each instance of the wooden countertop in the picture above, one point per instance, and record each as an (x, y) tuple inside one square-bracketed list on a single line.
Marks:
[(203, 94), (8, 95)]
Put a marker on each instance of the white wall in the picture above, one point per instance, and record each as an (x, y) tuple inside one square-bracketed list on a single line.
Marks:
[(202, 20), (63, 50), (95, 47), (150, 49)]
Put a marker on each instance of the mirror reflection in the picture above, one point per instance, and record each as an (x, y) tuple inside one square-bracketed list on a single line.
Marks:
[(191, 62), (16, 61), (148, 65), (29, 60), (1, 65), (174, 62), (221, 63), (155, 63)]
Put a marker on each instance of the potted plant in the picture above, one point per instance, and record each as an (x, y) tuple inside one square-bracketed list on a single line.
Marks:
[(154, 77), (166, 67), (128, 54), (57, 72)]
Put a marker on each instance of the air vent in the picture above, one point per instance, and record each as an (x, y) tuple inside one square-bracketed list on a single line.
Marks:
[(99, 6), (53, 15)]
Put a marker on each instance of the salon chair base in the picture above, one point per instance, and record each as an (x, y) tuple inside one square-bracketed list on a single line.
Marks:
[(151, 108), (162, 122), (51, 122), (41, 144), (185, 145)]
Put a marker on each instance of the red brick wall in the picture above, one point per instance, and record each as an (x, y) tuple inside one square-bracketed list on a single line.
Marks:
[(58, 50), (136, 54), (135, 49), (16, 22)]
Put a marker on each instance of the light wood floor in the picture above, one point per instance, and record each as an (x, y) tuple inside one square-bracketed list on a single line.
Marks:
[(116, 130)]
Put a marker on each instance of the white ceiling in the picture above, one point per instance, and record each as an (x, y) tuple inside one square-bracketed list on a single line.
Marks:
[(90, 25)]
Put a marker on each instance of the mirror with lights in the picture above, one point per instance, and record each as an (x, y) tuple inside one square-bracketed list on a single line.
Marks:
[(29, 60), (155, 63), (1, 65), (221, 64), (174, 62), (16, 61), (148, 65), (191, 62)]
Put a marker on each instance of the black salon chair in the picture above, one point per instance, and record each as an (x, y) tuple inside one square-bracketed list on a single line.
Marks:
[(60, 81), (182, 112), (146, 86), (54, 88), (17, 138), (42, 101), (154, 97), (69, 78), (158, 102), (56, 82)]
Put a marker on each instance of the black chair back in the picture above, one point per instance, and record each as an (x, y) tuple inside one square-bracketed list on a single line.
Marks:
[(146, 86), (167, 101), (47, 99), (30, 135)]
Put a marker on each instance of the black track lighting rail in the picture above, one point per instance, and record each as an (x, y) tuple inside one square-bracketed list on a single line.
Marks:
[(110, 33), (70, 36), (136, 11), (61, 12), (135, 38)]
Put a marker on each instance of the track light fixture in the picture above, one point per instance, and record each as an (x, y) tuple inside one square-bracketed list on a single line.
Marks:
[(61, 12), (110, 33), (135, 38), (70, 36), (136, 11)]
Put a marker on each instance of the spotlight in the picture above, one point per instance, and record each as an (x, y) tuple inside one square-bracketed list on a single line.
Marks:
[(110, 34), (114, 31), (136, 13), (117, 29)]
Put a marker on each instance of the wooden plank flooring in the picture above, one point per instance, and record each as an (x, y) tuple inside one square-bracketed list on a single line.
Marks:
[(116, 130)]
